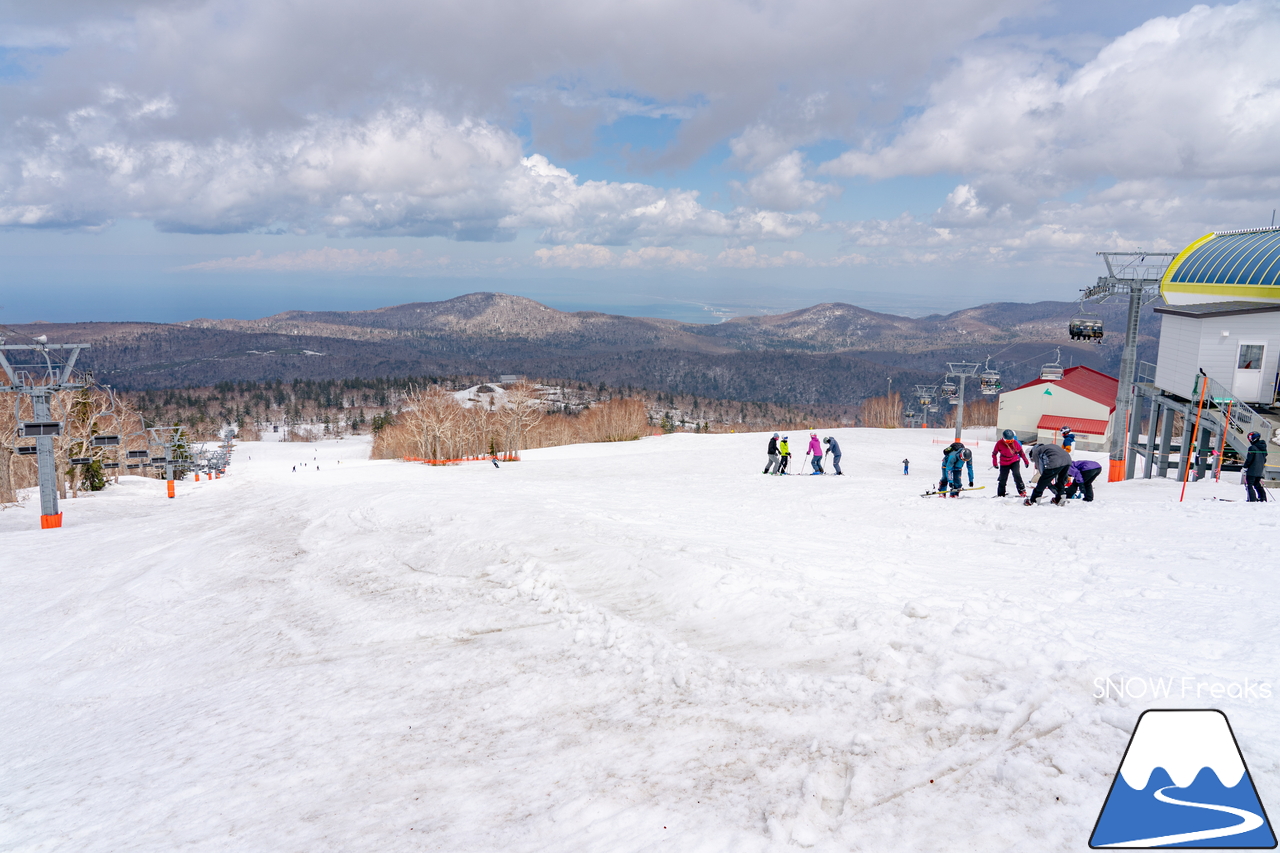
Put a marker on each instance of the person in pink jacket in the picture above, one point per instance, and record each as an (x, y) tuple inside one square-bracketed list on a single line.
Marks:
[(815, 448), (1009, 457)]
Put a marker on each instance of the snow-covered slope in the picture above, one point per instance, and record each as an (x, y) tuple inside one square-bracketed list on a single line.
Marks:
[(608, 648)]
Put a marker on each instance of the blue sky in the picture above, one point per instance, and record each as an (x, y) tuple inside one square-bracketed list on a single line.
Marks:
[(170, 160)]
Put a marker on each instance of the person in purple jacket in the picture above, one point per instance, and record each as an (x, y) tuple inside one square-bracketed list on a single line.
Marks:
[(1009, 457), (815, 448), (1080, 477)]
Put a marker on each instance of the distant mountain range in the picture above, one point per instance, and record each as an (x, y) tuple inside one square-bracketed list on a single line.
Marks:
[(829, 353)]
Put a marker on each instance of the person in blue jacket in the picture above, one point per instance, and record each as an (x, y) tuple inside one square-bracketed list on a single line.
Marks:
[(1068, 439), (833, 447), (952, 467), (1080, 477)]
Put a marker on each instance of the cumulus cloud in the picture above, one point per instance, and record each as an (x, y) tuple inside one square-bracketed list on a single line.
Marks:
[(582, 255), (398, 172), (782, 185)]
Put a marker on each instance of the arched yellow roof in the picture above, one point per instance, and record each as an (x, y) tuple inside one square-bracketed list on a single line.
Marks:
[(1225, 266)]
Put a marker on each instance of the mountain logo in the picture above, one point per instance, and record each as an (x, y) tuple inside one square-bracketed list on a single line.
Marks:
[(1183, 783)]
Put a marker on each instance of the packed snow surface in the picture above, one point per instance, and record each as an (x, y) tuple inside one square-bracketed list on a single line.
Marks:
[(613, 647)]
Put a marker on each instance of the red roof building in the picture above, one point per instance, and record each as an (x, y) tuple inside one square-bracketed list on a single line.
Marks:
[(1083, 399)]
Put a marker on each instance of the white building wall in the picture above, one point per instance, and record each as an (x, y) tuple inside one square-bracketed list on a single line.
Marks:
[(1179, 355), (1188, 344), (1022, 408)]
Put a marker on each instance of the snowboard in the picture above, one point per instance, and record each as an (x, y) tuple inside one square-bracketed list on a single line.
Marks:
[(935, 492)]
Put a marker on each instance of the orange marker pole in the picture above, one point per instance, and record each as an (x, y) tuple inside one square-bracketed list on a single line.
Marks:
[(48, 522), (1195, 435), (170, 482)]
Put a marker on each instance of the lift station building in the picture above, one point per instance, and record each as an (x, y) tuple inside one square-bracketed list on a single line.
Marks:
[(1083, 399)]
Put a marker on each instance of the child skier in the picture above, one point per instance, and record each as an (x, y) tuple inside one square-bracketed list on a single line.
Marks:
[(1068, 439), (906, 467), (1255, 464), (784, 450), (1080, 477)]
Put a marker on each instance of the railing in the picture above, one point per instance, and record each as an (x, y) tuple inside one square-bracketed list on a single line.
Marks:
[(1239, 416)]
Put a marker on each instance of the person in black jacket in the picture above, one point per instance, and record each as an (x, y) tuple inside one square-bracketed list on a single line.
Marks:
[(1255, 463), (775, 457), (1053, 463)]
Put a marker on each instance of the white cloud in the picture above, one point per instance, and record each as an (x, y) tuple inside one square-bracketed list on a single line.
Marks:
[(582, 255), (782, 185), (749, 258)]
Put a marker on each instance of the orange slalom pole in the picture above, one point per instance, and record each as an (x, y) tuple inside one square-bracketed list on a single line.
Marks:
[(170, 489), (1217, 474), (1195, 434)]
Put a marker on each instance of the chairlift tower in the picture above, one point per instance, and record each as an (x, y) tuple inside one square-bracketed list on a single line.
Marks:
[(39, 371), (1135, 275), (962, 370)]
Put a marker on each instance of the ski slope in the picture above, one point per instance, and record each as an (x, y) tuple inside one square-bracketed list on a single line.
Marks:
[(612, 647)]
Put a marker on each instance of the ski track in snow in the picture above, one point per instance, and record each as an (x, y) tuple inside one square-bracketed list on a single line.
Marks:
[(606, 648)]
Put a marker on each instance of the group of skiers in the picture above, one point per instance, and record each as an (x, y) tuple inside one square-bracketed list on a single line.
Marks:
[(780, 454), (1057, 469)]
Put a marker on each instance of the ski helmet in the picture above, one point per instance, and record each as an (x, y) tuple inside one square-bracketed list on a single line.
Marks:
[(1253, 436), (1065, 430), (1010, 434)]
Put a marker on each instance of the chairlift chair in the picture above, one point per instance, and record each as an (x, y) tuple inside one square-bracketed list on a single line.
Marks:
[(1085, 326), (926, 400), (1052, 372), (989, 380), (951, 391)]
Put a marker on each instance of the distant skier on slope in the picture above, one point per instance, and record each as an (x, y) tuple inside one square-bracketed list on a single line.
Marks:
[(784, 450), (906, 467), (1053, 464), (833, 447), (1009, 457), (775, 458), (815, 452), (1255, 464)]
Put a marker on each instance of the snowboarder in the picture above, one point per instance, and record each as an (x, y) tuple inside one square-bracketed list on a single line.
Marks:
[(815, 451), (1068, 438), (906, 467), (1053, 463), (784, 450), (1009, 457), (775, 458), (833, 447), (952, 466), (1255, 463), (1080, 477)]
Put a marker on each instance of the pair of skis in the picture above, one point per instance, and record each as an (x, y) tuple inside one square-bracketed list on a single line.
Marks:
[(944, 492)]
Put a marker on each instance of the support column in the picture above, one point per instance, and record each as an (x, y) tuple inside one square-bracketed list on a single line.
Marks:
[(960, 409), (1166, 441), (1202, 452), (47, 463), (1131, 447), (1124, 393), (1153, 424), (1187, 448)]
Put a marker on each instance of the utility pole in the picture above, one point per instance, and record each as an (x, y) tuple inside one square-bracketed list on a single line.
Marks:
[(963, 370), (1135, 275), (35, 371)]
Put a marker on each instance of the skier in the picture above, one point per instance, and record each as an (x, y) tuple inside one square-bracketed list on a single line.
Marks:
[(815, 451), (784, 450), (952, 466), (1080, 477), (1009, 457), (1255, 463), (1068, 438), (833, 447), (1053, 463), (906, 467), (775, 458)]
